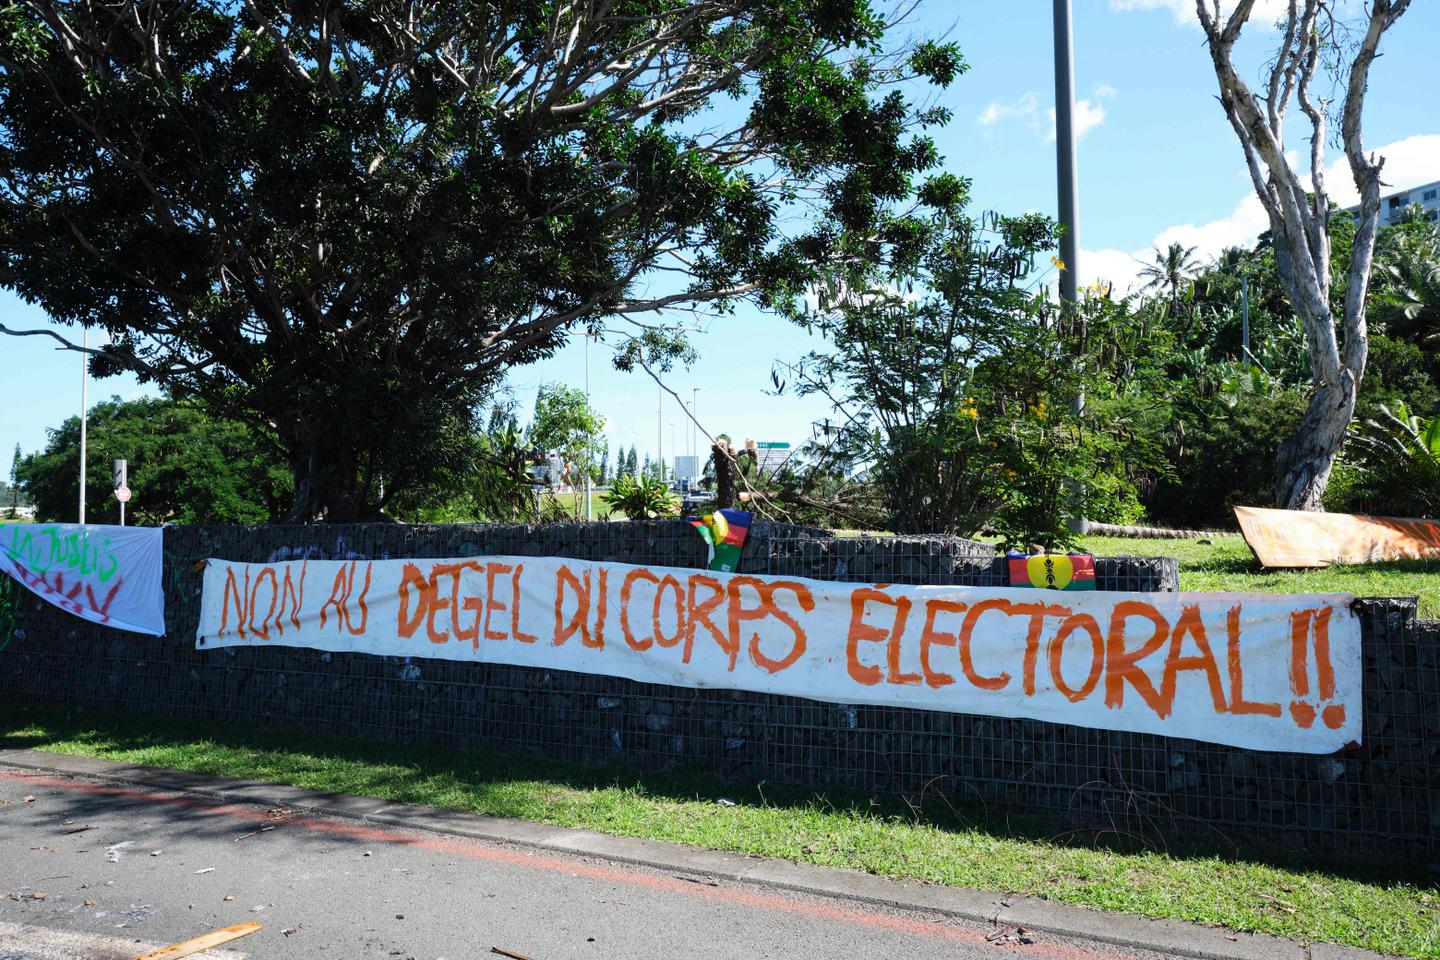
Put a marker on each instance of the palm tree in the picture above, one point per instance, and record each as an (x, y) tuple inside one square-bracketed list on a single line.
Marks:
[(1170, 271), (1408, 295)]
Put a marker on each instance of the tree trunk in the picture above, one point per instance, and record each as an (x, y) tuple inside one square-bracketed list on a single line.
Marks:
[(1303, 465), (325, 482), (727, 487)]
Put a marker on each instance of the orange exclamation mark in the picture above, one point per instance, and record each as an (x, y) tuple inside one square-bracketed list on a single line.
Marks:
[(1304, 624)]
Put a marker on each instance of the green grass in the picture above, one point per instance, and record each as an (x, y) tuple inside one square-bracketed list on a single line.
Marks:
[(1377, 904), (1228, 564)]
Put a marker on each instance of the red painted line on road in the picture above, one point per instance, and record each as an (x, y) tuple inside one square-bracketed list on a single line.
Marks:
[(475, 849)]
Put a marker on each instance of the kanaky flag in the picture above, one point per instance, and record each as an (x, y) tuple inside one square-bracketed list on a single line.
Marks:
[(724, 533), (1053, 571)]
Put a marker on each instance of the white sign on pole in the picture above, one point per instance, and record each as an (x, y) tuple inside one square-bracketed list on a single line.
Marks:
[(122, 489), (771, 456)]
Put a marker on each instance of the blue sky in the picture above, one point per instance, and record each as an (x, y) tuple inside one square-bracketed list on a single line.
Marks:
[(1158, 162)]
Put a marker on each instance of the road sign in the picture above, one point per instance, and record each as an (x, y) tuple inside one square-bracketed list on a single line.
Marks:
[(687, 467), (118, 471), (770, 456), (122, 494)]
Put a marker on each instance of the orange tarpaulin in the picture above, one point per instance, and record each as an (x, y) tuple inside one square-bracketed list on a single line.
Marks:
[(1300, 538)]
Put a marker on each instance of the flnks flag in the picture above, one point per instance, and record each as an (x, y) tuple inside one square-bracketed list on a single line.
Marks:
[(724, 533), (1053, 571), (105, 574)]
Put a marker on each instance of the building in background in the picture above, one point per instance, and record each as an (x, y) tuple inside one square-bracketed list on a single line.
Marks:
[(1393, 206)]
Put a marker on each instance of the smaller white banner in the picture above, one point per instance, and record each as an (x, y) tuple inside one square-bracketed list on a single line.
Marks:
[(108, 575)]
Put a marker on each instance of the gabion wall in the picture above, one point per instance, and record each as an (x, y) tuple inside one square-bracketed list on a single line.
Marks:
[(1387, 792)]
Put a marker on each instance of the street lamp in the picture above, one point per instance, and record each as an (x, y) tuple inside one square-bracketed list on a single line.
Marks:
[(84, 413), (1069, 212), (587, 435), (1065, 154)]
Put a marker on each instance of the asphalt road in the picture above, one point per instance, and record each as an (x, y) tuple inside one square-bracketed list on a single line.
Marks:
[(136, 866)]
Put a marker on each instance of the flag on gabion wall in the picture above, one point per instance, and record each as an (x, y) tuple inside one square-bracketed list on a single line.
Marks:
[(1053, 571), (724, 533)]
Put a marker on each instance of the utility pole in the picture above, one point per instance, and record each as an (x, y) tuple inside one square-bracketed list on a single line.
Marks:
[(1065, 154), (84, 412), (1245, 322), (1069, 213), (589, 514)]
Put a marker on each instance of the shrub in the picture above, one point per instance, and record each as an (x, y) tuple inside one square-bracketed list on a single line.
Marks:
[(1391, 466), (641, 498)]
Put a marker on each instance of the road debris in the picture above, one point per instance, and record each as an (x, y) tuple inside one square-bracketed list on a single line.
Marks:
[(114, 853), (507, 953), (1010, 934), (202, 943), (27, 799), (707, 881), (78, 830), (206, 870), (1282, 904), (254, 833)]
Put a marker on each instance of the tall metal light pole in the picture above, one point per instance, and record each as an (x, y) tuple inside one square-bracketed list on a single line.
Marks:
[(1065, 154), (1069, 212), (1245, 321), (589, 515), (84, 411)]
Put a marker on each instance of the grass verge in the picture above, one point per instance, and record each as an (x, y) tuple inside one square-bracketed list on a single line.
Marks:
[(1226, 563), (1377, 904)]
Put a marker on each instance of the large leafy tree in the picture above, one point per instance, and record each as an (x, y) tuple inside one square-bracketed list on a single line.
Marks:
[(185, 466), (567, 425), (954, 384), (345, 220)]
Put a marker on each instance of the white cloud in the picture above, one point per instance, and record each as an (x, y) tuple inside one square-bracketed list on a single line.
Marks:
[(1409, 162), (1266, 11), (1026, 107), (1089, 113)]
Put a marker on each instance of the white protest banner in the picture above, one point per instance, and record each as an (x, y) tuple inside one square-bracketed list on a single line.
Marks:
[(105, 574), (1268, 672)]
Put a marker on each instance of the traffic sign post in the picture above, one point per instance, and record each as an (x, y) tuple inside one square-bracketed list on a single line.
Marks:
[(771, 456), (122, 489)]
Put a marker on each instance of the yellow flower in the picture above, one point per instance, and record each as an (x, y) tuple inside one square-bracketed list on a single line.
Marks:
[(968, 408)]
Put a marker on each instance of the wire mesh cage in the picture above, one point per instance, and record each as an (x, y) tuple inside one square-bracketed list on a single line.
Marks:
[(1385, 791)]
